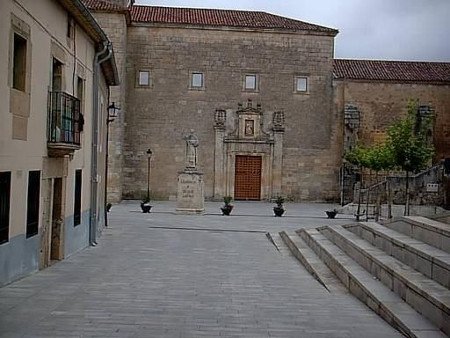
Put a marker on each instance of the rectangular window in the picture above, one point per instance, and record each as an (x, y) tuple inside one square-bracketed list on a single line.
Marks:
[(251, 82), (301, 84), (77, 199), (197, 80), (79, 117), (19, 62), (33, 201), (80, 91), (5, 197), (57, 75), (144, 78), (70, 27)]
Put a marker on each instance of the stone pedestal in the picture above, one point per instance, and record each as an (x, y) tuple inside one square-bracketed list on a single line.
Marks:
[(190, 198)]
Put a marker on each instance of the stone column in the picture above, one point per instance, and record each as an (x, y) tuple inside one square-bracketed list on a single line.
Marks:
[(277, 157), (219, 154)]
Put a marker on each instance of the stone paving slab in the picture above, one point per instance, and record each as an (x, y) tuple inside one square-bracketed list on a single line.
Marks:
[(160, 282)]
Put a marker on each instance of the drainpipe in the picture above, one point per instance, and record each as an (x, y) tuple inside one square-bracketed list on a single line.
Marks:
[(95, 128)]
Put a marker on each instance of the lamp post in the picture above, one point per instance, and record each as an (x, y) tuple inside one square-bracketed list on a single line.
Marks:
[(149, 156), (113, 112)]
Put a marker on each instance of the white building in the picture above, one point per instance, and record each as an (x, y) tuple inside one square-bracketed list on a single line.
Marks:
[(56, 66)]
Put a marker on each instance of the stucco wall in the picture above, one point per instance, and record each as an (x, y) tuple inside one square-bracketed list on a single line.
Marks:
[(47, 23)]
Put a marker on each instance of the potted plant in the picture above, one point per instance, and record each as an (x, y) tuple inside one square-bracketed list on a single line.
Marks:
[(226, 209), (278, 209), (145, 204), (331, 213)]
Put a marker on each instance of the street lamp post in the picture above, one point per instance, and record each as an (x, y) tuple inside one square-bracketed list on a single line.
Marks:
[(149, 156), (113, 112)]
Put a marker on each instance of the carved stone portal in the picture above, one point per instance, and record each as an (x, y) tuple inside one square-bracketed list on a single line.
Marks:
[(243, 135)]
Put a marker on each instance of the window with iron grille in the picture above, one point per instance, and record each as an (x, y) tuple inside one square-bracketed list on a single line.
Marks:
[(5, 197), (77, 199), (64, 118), (33, 199)]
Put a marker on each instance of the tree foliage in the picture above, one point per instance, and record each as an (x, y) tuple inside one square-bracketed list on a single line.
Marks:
[(406, 148), (377, 157), (407, 140)]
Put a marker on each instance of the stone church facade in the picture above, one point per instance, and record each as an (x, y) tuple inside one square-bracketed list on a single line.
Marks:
[(261, 92)]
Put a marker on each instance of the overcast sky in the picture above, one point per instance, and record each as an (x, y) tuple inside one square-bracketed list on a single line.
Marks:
[(368, 29)]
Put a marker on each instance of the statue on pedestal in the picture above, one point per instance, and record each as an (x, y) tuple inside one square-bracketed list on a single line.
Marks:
[(190, 196), (191, 150)]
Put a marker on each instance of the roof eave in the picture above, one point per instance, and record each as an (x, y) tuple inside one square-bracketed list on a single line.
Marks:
[(393, 81), (87, 22), (332, 33)]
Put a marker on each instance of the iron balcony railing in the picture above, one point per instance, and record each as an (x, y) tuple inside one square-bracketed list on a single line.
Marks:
[(65, 121)]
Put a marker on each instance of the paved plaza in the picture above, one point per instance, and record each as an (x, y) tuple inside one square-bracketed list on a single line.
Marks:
[(168, 275)]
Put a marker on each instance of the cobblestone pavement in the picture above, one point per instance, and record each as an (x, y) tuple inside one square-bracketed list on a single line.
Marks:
[(168, 275)]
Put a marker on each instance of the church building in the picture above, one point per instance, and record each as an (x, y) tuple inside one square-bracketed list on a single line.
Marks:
[(262, 92)]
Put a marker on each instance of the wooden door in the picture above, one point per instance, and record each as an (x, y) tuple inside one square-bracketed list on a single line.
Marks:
[(247, 181)]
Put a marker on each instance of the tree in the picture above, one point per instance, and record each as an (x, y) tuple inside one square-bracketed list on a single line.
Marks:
[(407, 141), (377, 157)]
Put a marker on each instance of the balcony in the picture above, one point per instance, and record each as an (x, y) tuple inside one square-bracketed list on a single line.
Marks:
[(65, 122)]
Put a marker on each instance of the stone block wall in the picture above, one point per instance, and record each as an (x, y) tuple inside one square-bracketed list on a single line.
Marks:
[(162, 113), (115, 26), (381, 103)]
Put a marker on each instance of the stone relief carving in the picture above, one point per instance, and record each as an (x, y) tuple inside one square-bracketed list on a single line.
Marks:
[(220, 118), (278, 121)]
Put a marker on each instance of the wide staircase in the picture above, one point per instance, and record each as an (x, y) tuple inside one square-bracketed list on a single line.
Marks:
[(401, 270)]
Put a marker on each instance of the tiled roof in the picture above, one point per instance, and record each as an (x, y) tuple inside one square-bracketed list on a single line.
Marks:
[(221, 17), (102, 5), (395, 71)]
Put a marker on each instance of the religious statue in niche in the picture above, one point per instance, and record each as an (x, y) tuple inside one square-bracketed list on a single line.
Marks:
[(249, 128), (191, 150)]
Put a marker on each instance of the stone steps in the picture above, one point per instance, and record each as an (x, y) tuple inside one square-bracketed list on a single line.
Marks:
[(443, 218), (429, 231), (426, 296), (312, 263), (399, 270), (374, 294), (430, 261)]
